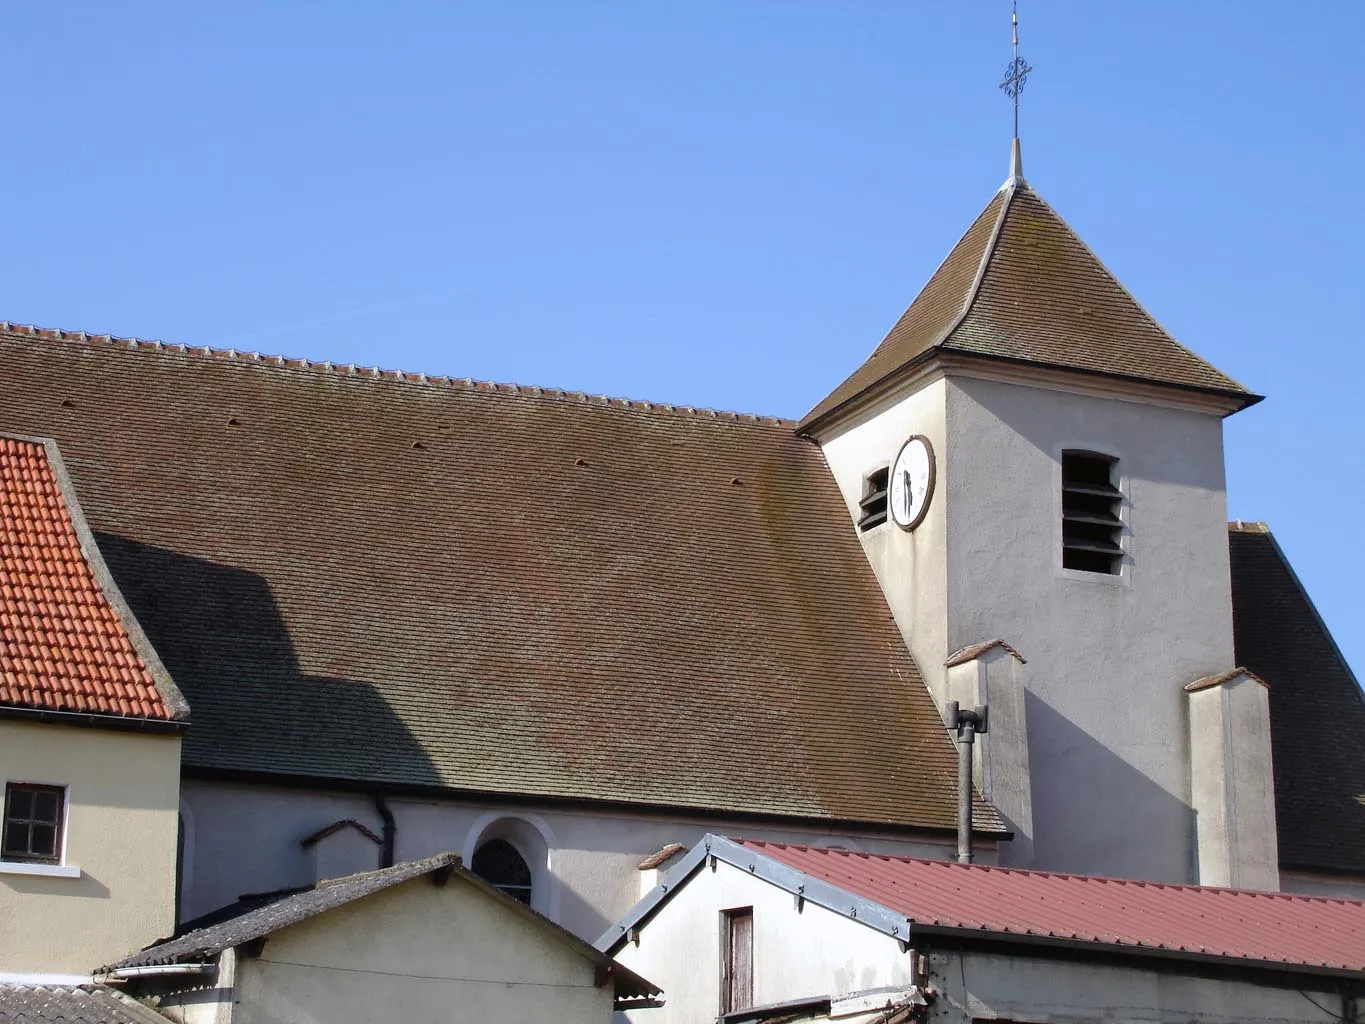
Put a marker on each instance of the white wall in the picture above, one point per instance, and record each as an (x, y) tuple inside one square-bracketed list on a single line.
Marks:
[(422, 955), (911, 567), (1107, 656), (1311, 883), (246, 839), (122, 794), (987, 985), (810, 952)]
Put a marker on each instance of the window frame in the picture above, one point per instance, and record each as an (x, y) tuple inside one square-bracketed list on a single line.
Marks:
[(58, 856)]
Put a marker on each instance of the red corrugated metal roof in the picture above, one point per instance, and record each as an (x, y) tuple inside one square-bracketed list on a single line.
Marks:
[(62, 645), (1234, 923)]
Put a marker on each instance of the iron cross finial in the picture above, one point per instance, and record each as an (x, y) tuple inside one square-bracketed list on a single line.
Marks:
[(1016, 74)]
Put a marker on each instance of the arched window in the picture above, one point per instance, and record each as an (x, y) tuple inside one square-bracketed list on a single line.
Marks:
[(498, 863)]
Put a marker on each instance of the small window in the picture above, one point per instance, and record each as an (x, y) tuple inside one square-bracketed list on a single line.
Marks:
[(1091, 527), (873, 504), (498, 863), (33, 823), (737, 960)]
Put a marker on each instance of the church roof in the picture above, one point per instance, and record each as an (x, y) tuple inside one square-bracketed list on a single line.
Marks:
[(1317, 710), (68, 645), (1021, 286), (370, 578)]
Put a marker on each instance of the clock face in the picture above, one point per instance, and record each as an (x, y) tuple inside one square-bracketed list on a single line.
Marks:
[(912, 482)]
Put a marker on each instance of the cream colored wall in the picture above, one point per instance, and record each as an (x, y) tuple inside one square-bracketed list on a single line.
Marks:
[(1107, 656), (418, 953), (246, 839), (797, 953), (123, 791)]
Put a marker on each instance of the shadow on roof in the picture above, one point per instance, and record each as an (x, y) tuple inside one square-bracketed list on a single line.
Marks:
[(222, 637)]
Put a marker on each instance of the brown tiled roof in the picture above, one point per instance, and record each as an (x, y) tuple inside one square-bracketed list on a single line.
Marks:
[(1317, 711), (1021, 286), (399, 580), (63, 645)]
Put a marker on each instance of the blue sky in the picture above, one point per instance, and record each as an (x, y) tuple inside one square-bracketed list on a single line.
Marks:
[(715, 203)]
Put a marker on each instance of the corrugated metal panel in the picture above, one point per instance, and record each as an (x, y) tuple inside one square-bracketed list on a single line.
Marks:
[(1271, 927)]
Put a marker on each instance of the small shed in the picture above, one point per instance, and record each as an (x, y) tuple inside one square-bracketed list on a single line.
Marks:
[(744, 931), (427, 936)]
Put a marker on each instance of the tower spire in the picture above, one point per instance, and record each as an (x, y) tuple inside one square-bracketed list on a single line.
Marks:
[(1016, 74)]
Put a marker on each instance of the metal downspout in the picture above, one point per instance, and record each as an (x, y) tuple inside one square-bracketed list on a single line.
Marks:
[(390, 832)]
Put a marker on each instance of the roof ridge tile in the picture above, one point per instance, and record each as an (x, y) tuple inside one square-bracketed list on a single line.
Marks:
[(327, 366)]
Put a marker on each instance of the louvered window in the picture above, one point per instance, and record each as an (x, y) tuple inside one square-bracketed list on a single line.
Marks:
[(873, 504), (1091, 500)]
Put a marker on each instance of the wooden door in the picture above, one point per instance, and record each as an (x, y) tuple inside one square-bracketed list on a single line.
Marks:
[(737, 960)]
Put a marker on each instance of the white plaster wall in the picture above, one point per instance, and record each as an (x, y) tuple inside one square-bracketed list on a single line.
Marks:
[(420, 954), (122, 796), (247, 840), (910, 566), (1309, 883), (1040, 989), (810, 952), (1232, 785), (1107, 656)]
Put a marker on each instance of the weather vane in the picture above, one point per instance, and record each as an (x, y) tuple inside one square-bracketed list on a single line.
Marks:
[(1018, 71)]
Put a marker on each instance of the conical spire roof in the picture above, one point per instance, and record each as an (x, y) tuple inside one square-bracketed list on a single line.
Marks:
[(1021, 286)]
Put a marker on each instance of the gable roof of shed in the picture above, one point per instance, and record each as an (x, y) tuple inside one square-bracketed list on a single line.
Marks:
[(1021, 286), (1319, 780), (361, 577), (259, 920), (905, 896), (68, 643)]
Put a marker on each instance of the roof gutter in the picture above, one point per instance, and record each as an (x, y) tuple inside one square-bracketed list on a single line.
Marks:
[(154, 971), (81, 718)]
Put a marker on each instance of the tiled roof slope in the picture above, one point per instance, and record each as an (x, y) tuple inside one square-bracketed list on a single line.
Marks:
[(389, 579), (63, 644), (1235, 924), (203, 945), (71, 1004), (1317, 711), (1020, 285)]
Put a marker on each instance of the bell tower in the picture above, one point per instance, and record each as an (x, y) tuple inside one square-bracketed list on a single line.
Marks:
[(1068, 560)]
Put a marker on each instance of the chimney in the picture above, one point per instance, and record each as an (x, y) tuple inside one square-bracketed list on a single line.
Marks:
[(968, 724)]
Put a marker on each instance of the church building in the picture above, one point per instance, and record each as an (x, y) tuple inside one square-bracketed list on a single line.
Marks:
[(567, 636)]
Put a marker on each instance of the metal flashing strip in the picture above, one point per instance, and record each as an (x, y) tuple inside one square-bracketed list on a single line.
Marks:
[(800, 885)]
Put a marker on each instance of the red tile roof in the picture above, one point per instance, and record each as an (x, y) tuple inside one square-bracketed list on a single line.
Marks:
[(1272, 928), (63, 645)]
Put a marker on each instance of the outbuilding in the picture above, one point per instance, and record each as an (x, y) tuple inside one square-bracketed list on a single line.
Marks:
[(427, 936), (744, 930)]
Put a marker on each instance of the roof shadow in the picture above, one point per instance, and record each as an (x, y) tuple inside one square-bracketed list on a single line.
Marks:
[(253, 708)]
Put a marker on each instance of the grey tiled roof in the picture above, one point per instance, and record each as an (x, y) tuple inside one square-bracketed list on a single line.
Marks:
[(204, 944), (85, 1004), (1317, 710)]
